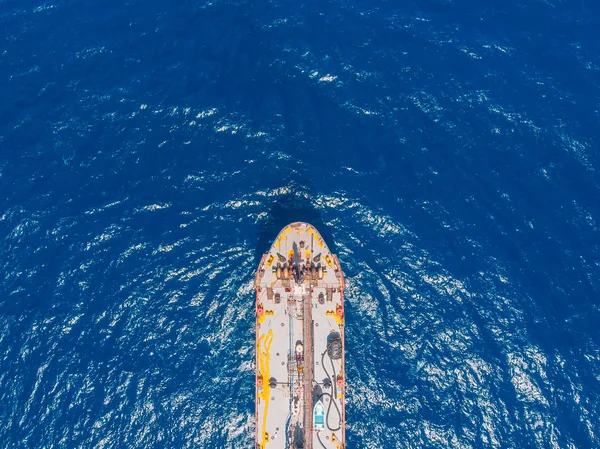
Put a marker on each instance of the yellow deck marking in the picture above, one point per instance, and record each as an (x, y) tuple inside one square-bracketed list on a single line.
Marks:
[(266, 313), (264, 366), (338, 319)]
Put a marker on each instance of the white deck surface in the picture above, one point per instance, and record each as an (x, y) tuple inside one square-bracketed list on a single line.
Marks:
[(284, 412)]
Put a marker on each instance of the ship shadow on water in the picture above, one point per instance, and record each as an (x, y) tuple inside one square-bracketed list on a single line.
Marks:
[(296, 205)]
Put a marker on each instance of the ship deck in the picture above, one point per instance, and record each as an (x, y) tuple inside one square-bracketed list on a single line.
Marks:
[(300, 376)]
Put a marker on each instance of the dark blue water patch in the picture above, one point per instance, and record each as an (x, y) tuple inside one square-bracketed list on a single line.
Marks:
[(150, 152)]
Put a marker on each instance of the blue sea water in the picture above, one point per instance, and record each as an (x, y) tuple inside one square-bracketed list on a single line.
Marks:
[(446, 149)]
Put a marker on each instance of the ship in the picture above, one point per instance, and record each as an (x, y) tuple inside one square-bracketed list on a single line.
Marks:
[(300, 377)]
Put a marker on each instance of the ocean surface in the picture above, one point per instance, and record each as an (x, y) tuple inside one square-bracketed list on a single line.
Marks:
[(151, 150)]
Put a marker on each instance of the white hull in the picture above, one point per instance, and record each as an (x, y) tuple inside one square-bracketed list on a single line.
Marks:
[(299, 343)]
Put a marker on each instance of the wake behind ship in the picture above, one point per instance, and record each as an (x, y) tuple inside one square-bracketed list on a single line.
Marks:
[(299, 344)]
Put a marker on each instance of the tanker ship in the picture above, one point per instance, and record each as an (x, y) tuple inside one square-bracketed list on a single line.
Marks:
[(300, 376)]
